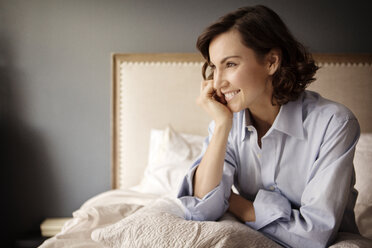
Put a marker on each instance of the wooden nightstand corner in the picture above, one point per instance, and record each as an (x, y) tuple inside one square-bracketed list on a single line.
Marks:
[(51, 226)]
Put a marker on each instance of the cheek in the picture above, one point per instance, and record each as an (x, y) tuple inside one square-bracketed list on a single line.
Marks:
[(245, 79)]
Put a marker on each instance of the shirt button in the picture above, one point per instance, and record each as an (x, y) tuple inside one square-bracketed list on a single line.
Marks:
[(271, 188), (259, 155), (250, 129)]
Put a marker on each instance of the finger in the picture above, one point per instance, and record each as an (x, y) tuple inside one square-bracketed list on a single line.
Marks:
[(207, 94), (208, 90), (221, 96), (204, 84)]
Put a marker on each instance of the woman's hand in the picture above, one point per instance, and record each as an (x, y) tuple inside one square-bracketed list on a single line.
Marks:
[(213, 102), (242, 208)]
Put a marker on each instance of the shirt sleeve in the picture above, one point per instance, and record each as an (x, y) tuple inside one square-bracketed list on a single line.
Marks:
[(215, 203), (323, 202)]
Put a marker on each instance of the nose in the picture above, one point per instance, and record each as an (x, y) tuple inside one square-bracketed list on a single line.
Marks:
[(218, 82)]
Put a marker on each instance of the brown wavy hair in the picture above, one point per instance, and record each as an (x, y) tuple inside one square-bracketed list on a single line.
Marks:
[(262, 29)]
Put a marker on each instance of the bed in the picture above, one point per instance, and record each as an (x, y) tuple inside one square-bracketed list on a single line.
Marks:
[(157, 132)]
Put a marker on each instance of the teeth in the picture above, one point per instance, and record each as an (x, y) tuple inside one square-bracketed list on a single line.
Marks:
[(230, 95)]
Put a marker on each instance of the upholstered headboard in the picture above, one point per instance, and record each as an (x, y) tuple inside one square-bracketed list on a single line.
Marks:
[(154, 90)]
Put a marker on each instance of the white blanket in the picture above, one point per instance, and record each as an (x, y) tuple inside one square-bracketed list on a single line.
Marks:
[(161, 224), (101, 210), (123, 218), (118, 219)]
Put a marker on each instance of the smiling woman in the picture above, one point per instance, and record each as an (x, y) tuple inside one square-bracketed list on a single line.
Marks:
[(244, 78), (288, 151)]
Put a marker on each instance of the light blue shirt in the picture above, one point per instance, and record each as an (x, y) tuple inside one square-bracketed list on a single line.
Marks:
[(301, 180)]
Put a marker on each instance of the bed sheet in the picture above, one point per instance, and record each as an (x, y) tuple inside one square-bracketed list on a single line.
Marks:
[(99, 211), (125, 218)]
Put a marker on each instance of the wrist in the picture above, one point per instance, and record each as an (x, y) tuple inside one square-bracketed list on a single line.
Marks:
[(223, 126), (242, 208)]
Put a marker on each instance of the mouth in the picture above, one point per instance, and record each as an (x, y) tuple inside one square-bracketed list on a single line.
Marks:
[(230, 95)]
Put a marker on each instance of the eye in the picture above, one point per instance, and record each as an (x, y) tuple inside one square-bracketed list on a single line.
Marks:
[(230, 64)]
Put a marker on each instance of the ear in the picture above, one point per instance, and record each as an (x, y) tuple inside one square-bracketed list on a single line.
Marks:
[(273, 60)]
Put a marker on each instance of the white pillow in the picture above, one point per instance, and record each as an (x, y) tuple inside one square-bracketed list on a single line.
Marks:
[(363, 168), (160, 225), (170, 156), (363, 171)]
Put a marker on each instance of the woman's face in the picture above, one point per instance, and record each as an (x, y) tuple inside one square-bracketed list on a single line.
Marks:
[(238, 76)]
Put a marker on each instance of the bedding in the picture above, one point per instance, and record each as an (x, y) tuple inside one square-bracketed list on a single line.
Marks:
[(146, 216), (161, 224), (99, 211), (363, 171), (170, 156), (107, 221)]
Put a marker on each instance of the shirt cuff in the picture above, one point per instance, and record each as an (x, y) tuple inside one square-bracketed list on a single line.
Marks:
[(210, 207), (269, 206), (186, 187)]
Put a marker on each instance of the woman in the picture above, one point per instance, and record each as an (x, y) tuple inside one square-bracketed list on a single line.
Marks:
[(289, 152)]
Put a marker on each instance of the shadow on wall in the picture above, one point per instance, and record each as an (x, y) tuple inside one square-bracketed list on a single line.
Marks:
[(26, 178)]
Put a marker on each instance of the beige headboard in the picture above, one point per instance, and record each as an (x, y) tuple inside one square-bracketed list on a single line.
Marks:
[(154, 90)]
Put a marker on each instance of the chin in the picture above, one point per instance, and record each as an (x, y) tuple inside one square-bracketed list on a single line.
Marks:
[(235, 109)]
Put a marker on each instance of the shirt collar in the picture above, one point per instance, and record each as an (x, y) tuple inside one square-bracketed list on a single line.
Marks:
[(288, 120)]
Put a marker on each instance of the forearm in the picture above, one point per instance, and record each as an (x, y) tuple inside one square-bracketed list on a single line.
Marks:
[(241, 208), (209, 172)]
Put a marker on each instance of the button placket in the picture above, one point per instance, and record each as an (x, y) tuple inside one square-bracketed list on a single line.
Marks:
[(268, 166), (253, 140)]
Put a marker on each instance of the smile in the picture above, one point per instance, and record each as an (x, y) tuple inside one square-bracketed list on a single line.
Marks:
[(230, 95)]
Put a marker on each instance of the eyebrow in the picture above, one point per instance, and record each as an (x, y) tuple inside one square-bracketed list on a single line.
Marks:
[(229, 57)]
